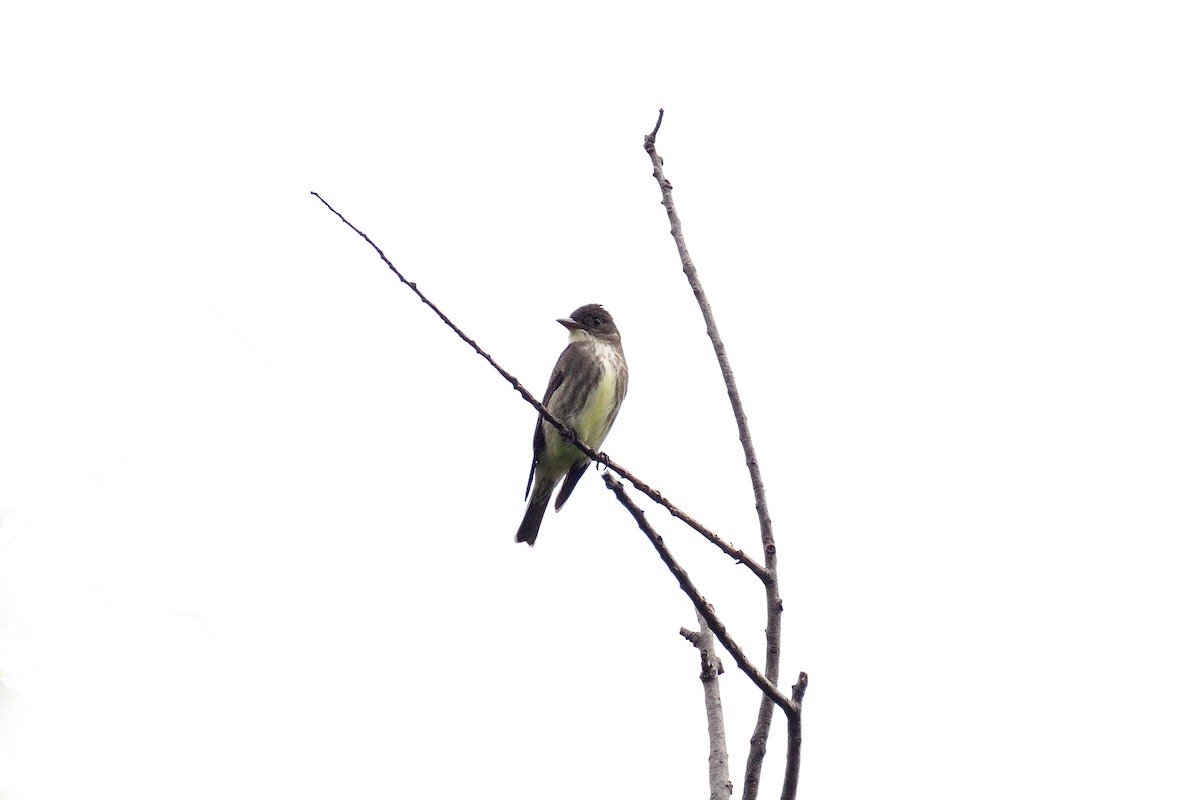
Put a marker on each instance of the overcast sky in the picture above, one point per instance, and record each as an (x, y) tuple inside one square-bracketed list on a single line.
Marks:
[(257, 503)]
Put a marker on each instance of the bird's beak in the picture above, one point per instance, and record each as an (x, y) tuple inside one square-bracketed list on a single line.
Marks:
[(571, 324)]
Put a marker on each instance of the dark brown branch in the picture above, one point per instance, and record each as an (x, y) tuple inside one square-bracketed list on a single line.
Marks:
[(508, 377), (655, 495), (740, 556), (702, 607), (762, 728)]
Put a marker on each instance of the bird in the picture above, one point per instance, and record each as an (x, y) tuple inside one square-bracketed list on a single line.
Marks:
[(585, 392)]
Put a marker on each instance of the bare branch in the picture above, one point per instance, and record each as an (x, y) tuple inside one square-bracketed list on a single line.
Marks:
[(507, 376), (791, 775), (655, 495), (702, 607), (657, 125), (758, 740), (791, 769), (719, 785)]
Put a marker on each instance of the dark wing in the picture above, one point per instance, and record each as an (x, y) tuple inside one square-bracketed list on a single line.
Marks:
[(575, 374), (568, 484), (539, 436), (577, 470)]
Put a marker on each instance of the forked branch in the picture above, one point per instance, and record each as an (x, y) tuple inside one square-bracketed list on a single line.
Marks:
[(774, 628), (736, 554), (702, 607)]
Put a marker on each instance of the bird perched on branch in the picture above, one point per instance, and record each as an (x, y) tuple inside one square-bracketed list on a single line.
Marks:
[(585, 392)]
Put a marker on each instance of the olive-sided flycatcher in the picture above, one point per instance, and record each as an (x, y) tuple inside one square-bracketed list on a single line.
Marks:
[(585, 392)]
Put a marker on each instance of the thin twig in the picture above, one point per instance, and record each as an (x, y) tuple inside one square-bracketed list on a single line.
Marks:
[(737, 555), (702, 607), (762, 728)]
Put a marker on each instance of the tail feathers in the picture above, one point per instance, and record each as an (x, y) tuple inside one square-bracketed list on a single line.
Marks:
[(532, 522)]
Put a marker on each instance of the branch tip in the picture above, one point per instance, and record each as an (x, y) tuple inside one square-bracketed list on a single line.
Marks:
[(650, 137)]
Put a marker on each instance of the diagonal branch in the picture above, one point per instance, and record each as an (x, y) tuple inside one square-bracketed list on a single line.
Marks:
[(737, 555), (702, 607), (758, 740)]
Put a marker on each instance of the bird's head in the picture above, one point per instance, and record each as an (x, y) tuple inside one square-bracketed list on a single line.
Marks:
[(592, 320)]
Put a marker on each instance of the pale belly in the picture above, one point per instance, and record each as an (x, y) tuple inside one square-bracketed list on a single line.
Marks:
[(594, 421), (593, 425)]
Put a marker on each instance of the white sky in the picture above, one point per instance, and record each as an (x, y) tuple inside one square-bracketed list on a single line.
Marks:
[(257, 503)]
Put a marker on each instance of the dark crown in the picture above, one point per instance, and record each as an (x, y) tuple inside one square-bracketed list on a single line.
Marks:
[(594, 319)]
